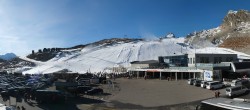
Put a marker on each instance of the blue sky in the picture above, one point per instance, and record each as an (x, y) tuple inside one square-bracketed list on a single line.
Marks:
[(27, 25)]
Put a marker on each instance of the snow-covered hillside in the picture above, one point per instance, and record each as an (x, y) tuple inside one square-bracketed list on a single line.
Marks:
[(101, 58), (217, 50)]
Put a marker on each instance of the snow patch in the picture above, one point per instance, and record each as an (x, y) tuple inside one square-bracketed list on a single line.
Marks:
[(232, 12)]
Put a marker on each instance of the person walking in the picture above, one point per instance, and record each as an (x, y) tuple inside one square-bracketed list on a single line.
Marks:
[(215, 94), (18, 108), (218, 93), (23, 108), (25, 97)]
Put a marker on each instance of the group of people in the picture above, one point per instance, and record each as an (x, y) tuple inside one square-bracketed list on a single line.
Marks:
[(27, 97), (22, 108)]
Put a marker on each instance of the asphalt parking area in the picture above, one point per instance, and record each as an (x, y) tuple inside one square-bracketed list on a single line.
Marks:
[(154, 92)]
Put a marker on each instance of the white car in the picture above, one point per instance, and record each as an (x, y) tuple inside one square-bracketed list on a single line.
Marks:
[(214, 85), (236, 90), (204, 83), (191, 81)]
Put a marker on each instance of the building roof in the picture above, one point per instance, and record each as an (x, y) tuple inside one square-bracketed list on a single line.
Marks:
[(175, 54), (230, 104), (145, 62), (217, 53)]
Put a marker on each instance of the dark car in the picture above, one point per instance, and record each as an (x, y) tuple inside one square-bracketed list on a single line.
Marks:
[(83, 89), (5, 95), (197, 82), (49, 96), (94, 91)]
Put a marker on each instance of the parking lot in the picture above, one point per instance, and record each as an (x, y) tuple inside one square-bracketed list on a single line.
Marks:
[(134, 94), (161, 94), (154, 93)]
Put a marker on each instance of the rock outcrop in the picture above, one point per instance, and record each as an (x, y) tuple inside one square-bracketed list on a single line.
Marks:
[(235, 18), (233, 33)]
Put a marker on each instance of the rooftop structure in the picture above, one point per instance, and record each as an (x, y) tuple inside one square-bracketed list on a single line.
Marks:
[(224, 103)]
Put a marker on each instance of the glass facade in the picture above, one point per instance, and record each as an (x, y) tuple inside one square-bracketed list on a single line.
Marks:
[(175, 61)]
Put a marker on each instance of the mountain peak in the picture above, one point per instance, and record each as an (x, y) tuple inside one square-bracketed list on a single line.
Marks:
[(8, 56), (169, 35), (232, 12)]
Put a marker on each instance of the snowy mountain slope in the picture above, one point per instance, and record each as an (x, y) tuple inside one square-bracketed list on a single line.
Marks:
[(197, 37), (101, 58), (222, 51)]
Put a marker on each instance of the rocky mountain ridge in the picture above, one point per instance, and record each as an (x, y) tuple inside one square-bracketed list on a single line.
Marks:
[(233, 33), (16, 63)]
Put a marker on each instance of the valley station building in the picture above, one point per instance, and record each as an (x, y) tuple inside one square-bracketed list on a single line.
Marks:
[(205, 66)]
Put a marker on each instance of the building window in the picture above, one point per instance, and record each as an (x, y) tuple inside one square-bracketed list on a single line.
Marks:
[(207, 60), (215, 59), (193, 60), (204, 59), (220, 59), (229, 59)]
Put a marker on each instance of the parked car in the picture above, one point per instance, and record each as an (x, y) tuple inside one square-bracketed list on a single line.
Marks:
[(83, 89), (4, 85), (204, 83), (49, 96), (240, 82), (214, 85), (5, 95), (197, 82), (94, 91), (191, 81), (236, 90), (84, 81)]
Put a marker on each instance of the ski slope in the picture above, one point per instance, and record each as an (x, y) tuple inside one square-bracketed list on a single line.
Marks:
[(101, 58)]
